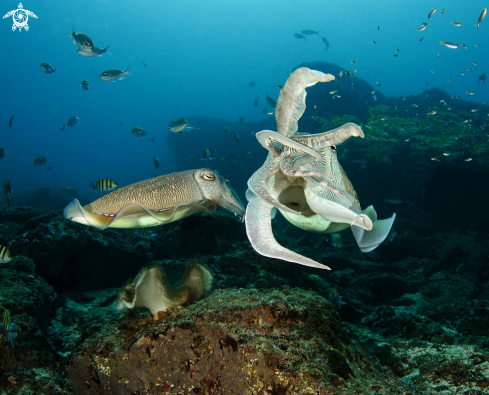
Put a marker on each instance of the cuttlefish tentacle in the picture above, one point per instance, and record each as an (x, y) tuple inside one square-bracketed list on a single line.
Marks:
[(291, 102), (259, 231), (158, 201), (344, 197), (329, 138)]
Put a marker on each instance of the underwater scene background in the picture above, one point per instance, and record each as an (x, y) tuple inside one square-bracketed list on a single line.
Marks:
[(409, 317)]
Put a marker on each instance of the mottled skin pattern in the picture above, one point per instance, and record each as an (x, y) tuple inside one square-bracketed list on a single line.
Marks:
[(156, 193)]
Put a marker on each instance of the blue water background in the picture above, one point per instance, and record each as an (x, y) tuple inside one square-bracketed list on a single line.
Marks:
[(200, 56)]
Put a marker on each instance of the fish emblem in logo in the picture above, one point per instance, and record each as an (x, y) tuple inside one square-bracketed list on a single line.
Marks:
[(20, 17)]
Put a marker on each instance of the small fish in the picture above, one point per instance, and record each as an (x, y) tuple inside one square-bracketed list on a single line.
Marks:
[(82, 41), (438, 56), (481, 17), (241, 120), (178, 125), (394, 200), (462, 73), (120, 123), (138, 131), (59, 230), (420, 29), (446, 154), (396, 55), (477, 45), (482, 78), (41, 160), (449, 44), (208, 155), (373, 41), (378, 27), (336, 240), (335, 298), (151, 139), (299, 36), (94, 53), (10, 121), (252, 84), (85, 85), (422, 38), (326, 42), (415, 105), (104, 185), (49, 168), (7, 188), (378, 83), (468, 160), (340, 74), (398, 50), (272, 103), (4, 254), (9, 328), (113, 75), (255, 102), (308, 32), (63, 127), (144, 64), (474, 110), (47, 68), (442, 11), (2, 153), (156, 162), (435, 159), (72, 121), (353, 61), (454, 23), (144, 233), (332, 92), (236, 137), (279, 86), (431, 113), (474, 63), (425, 24), (226, 130), (431, 13), (465, 46)]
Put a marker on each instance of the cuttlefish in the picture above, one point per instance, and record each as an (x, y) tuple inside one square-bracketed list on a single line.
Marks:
[(158, 201), (302, 178)]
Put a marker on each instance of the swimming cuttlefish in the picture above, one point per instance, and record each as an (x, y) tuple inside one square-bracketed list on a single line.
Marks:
[(303, 179), (158, 201)]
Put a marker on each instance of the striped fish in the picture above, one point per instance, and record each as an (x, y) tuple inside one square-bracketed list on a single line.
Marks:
[(4, 254), (139, 131), (145, 233), (41, 160), (73, 121), (106, 184)]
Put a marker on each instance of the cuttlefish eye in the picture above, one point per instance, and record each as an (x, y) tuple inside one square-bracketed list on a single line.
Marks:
[(333, 148), (208, 177)]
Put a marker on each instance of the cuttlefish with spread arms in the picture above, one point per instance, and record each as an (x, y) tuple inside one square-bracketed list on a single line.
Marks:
[(158, 201), (303, 179)]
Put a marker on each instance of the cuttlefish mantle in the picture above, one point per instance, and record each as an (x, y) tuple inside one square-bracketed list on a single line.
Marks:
[(303, 179), (158, 201)]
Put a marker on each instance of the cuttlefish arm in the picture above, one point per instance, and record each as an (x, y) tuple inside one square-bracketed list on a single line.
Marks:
[(258, 183), (369, 240), (291, 102), (336, 212), (329, 138), (259, 230)]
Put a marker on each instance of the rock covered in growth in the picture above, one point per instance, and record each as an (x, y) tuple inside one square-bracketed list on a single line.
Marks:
[(285, 341)]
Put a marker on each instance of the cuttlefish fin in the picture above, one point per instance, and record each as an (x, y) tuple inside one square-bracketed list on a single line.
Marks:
[(369, 240), (335, 212), (259, 231), (76, 213)]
